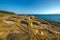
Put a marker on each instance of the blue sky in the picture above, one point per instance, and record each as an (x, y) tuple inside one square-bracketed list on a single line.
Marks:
[(31, 6)]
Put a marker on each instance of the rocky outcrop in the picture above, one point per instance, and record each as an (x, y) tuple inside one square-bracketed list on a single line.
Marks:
[(24, 27)]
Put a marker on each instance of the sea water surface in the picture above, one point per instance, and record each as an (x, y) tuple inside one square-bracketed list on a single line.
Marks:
[(52, 17)]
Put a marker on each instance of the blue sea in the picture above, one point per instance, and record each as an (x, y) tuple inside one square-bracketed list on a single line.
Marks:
[(52, 17)]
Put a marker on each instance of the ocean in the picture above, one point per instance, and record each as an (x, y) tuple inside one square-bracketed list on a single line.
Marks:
[(51, 17)]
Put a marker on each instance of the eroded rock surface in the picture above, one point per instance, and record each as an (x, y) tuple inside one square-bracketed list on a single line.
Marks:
[(15, 27)]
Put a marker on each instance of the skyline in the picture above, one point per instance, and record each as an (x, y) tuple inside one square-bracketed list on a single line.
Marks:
[(31, 6)]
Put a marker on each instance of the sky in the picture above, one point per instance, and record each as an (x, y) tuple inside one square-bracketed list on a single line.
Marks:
[(31, 6)]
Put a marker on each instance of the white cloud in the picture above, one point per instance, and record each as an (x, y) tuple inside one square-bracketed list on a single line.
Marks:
[(52, 12), (47, 12)]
